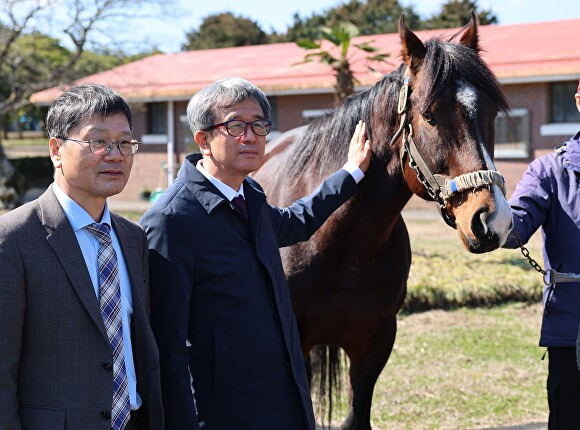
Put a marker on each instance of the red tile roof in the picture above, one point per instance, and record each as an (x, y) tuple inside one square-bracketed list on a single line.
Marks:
[(526, 52)]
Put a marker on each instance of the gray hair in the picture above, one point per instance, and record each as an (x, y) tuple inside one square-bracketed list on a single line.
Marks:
[(81, 102), (201, 109)]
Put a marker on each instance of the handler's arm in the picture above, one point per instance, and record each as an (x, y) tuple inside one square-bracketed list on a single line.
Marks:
[(12, 308), (530, 204)]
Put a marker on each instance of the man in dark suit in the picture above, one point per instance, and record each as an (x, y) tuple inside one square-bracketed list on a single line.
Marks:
[(221, 309), (77, 351)]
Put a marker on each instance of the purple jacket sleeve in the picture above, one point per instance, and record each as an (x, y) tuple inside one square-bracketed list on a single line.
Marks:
[(530, 202)]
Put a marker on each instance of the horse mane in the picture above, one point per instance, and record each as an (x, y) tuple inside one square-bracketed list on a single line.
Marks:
[(446, 61), (324, 146)]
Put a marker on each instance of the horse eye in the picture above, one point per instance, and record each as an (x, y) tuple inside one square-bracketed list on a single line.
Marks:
[(429, 118)]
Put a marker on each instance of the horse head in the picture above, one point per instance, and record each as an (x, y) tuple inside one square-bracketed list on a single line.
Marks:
[(447, 106)]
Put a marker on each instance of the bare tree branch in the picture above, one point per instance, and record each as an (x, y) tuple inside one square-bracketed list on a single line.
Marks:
[(83, 18), (15, 28), (32, 60)]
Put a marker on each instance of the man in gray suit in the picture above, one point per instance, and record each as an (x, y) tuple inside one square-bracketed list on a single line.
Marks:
[(77, 351)]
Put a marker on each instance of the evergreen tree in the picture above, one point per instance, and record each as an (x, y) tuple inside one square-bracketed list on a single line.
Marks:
[(225, 30), (457, 13)]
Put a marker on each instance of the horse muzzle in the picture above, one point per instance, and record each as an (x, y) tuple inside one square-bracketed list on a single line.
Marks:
[(483, 219)]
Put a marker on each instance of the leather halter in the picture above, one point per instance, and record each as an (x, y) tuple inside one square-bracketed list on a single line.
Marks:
[(439, 187)]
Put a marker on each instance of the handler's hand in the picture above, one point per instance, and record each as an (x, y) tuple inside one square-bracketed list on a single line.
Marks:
[(359, 151)]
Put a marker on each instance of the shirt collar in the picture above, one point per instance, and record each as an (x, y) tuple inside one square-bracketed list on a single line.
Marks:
[(228, 192), (77, 216)]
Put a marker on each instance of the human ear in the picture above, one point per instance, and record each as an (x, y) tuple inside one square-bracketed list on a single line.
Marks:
[(201, 138), (54, 150), (578, 102)]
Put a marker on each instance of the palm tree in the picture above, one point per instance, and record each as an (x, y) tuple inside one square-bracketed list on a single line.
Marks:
[(340, 36)]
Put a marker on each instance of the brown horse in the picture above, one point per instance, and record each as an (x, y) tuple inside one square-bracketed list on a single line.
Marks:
[(431, 127)]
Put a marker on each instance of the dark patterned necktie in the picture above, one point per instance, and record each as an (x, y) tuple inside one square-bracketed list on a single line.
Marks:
[(110, 302), (240, 204)]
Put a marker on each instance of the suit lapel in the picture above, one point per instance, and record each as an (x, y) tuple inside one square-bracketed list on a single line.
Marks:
[(63, 241), (254, 200)]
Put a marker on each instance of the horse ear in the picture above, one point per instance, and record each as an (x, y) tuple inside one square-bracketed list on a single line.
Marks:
[(470, 37), (413, 49)]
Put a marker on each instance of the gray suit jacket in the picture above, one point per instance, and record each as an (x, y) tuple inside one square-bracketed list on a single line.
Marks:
[(55, 357)]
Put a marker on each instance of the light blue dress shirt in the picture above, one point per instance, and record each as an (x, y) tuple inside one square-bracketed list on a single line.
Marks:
[(79, 219)]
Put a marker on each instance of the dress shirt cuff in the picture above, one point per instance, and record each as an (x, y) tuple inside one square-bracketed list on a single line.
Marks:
[(355, 171)]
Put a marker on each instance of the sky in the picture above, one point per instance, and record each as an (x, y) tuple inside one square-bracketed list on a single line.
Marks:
[(275, 14), (165, 29)]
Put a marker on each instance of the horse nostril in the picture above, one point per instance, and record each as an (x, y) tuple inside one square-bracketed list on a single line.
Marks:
[(479, 223)]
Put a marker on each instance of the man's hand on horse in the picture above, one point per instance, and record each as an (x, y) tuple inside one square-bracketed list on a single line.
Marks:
[(359, 151)]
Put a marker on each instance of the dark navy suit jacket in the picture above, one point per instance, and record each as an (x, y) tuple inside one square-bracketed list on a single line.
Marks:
[(221, 308)]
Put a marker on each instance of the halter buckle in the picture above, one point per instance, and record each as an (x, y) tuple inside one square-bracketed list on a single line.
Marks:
[(403, 95)]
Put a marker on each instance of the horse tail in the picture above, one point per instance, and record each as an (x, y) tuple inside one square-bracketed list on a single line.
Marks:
[(326, 379)]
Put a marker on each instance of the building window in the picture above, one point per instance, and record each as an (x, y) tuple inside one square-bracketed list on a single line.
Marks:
[(274, 118), (188, 140), (157, 118), (563, 104), (274, 112), (512, 134)]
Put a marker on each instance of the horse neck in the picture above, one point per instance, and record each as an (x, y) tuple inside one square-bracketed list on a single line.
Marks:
[(370, 215), (364, 224)]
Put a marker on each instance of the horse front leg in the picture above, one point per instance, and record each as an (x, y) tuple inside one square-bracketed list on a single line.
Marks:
[(364, 371)]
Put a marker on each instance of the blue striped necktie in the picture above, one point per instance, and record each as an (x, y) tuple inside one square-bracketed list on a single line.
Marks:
[(110, 302)]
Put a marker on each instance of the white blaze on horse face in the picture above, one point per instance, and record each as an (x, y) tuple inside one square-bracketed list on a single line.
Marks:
[(501, 221), (467, 95)]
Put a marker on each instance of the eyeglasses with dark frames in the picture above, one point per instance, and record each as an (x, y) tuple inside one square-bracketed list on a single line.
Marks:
[(101, 146), (237, 127)]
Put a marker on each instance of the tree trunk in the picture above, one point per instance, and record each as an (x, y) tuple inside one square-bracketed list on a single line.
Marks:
[(344, 81)]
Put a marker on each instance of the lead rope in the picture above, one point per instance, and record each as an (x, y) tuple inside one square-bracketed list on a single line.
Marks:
[(550, 277)]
